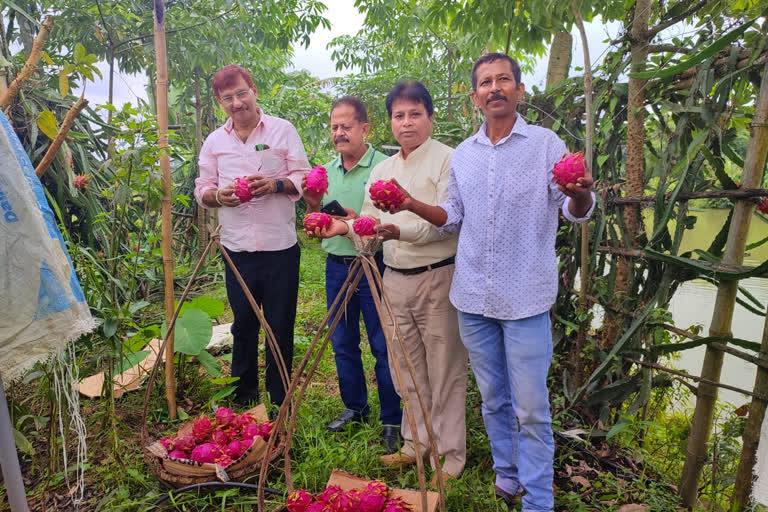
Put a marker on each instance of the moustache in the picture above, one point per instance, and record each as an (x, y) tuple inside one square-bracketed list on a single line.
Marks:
[(340, 139), (495, 96)]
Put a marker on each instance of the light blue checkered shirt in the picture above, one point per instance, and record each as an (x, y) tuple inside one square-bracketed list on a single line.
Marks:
[(503, 201)]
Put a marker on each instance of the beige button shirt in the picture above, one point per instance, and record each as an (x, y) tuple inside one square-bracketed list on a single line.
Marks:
[(424, 174)]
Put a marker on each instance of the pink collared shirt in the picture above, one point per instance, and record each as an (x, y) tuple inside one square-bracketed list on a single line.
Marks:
[(266, 223)]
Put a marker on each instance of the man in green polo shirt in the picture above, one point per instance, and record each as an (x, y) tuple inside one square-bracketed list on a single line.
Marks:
[(347, 176)]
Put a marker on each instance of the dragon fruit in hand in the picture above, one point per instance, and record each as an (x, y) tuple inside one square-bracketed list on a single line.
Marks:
[(569, 169), (386, 193), (241, 189), (364, 226), (298, 501), (316, 220), (317, 180)]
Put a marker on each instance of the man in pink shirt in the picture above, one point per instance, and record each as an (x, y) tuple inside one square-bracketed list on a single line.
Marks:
[(259, 233)]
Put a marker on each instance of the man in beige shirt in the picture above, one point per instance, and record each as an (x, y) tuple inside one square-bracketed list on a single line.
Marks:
[(420, 264)]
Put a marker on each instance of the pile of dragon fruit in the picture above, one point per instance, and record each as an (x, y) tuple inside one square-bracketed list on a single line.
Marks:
[(333, 499), (220, 441)]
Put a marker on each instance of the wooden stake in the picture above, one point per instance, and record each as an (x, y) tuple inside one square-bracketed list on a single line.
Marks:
[(30, 65), (60, 136), (165, 167), (722, 316)]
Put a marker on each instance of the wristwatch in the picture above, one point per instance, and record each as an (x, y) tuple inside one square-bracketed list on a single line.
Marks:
[(280, 186)]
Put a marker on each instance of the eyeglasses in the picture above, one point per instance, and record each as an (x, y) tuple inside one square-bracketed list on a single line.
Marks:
[(240, 96)]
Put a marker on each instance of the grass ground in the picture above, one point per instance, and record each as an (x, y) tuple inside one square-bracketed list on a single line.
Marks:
[(118, 479)]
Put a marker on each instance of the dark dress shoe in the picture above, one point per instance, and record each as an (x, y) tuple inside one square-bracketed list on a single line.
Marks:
[(347, 416), (390, 437)]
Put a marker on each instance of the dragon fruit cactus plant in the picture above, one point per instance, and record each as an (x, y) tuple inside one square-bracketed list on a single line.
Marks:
[(298, 501), (569, 169), (242, 191), (317, 220), (762, 206), (396, 505), (364, 226), (386, 193), (317, 180)]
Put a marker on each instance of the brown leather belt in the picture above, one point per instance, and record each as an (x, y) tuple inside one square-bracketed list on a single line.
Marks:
[(419, 270)]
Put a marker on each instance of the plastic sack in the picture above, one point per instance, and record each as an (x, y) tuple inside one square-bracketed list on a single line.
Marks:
[(42, 306)]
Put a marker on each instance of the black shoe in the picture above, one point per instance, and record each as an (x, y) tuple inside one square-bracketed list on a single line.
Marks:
[(246, 399), (390, 437), (347, 416)]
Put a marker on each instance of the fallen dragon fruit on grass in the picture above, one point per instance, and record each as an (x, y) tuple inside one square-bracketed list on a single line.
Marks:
[(364, 226), (317, 180), (569, 169), (242, 191), (313, 221), (386, 193)]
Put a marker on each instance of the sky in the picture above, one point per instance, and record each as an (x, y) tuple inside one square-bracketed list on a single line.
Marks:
[(345, 19)]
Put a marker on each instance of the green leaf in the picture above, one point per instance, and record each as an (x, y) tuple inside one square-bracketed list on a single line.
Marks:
[(223, 393), (79, 53), (22, 443), (130, 360), (601, 160), (214, 308), (63, 84), (210, 363), (686, 345), (110, 327), (706, 53), (705, 269), (222, 381), (183, 416), (136, 306), (47, 59), (618, 428), (46, 121), (193, 332)]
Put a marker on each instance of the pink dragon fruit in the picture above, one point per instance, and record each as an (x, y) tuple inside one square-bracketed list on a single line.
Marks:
[(317, 507), (234, 450), (224, 460), (386, 193), (329, 493), (762, 206), (245, 444), (396, 505), (316, 220), (250, 431), (371, 502), (377, 487), (184, 442), (242, 420), (364, 226), (177, 454), (201, 428), (167, 443), (206, 452), (224, 417), (265, 429), (241, 189), (569, 169), (345, 501), (317, 180), (298, 501), (81, 181), (219, 438)]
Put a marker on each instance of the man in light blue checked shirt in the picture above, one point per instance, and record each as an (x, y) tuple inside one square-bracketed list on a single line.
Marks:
[(506, 206)]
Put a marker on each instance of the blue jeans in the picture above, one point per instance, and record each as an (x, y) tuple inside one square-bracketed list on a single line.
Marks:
[(346, 346), (510, 360)]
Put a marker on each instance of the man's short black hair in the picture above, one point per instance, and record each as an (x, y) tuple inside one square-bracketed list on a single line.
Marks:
[(411, 90), (361, 114), (493, 57)]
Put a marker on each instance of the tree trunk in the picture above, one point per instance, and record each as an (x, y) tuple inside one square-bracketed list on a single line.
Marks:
[(3, 71), (725, 301), (635, 166), (161, 96), (559, 64), (721, 324), (202, 213)]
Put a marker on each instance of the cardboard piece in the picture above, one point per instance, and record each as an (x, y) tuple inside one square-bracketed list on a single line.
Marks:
[(129, 380), (348, 481)]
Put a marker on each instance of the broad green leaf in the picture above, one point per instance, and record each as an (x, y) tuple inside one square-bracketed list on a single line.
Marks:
[(110, 327), (46, 121), (47, 59), (214, 308), (63, 84), (210, 363), (223, 393), (130, 360), (706, 53), (221, 381), (136, 306), (79, 53), (192, 332), (22, 443), (618, 428), (183, 416)]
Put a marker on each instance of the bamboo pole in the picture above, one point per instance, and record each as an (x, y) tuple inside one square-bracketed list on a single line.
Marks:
[(30, 65), (202, 213), (165, 166), (69, 119), (726, 299)]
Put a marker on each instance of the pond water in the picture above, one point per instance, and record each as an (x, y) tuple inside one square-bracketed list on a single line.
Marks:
[(694, 301)]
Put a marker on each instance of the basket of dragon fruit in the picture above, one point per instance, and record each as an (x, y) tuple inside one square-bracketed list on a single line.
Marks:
[(227, 447), (349, 493)]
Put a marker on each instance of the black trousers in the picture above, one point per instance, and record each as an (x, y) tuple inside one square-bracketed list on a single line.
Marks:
[(273, 279)]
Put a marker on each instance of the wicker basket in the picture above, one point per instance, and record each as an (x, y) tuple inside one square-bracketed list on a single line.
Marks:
[(177, 473)]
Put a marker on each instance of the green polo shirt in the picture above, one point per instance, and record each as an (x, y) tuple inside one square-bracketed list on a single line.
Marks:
[(348, 188)]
